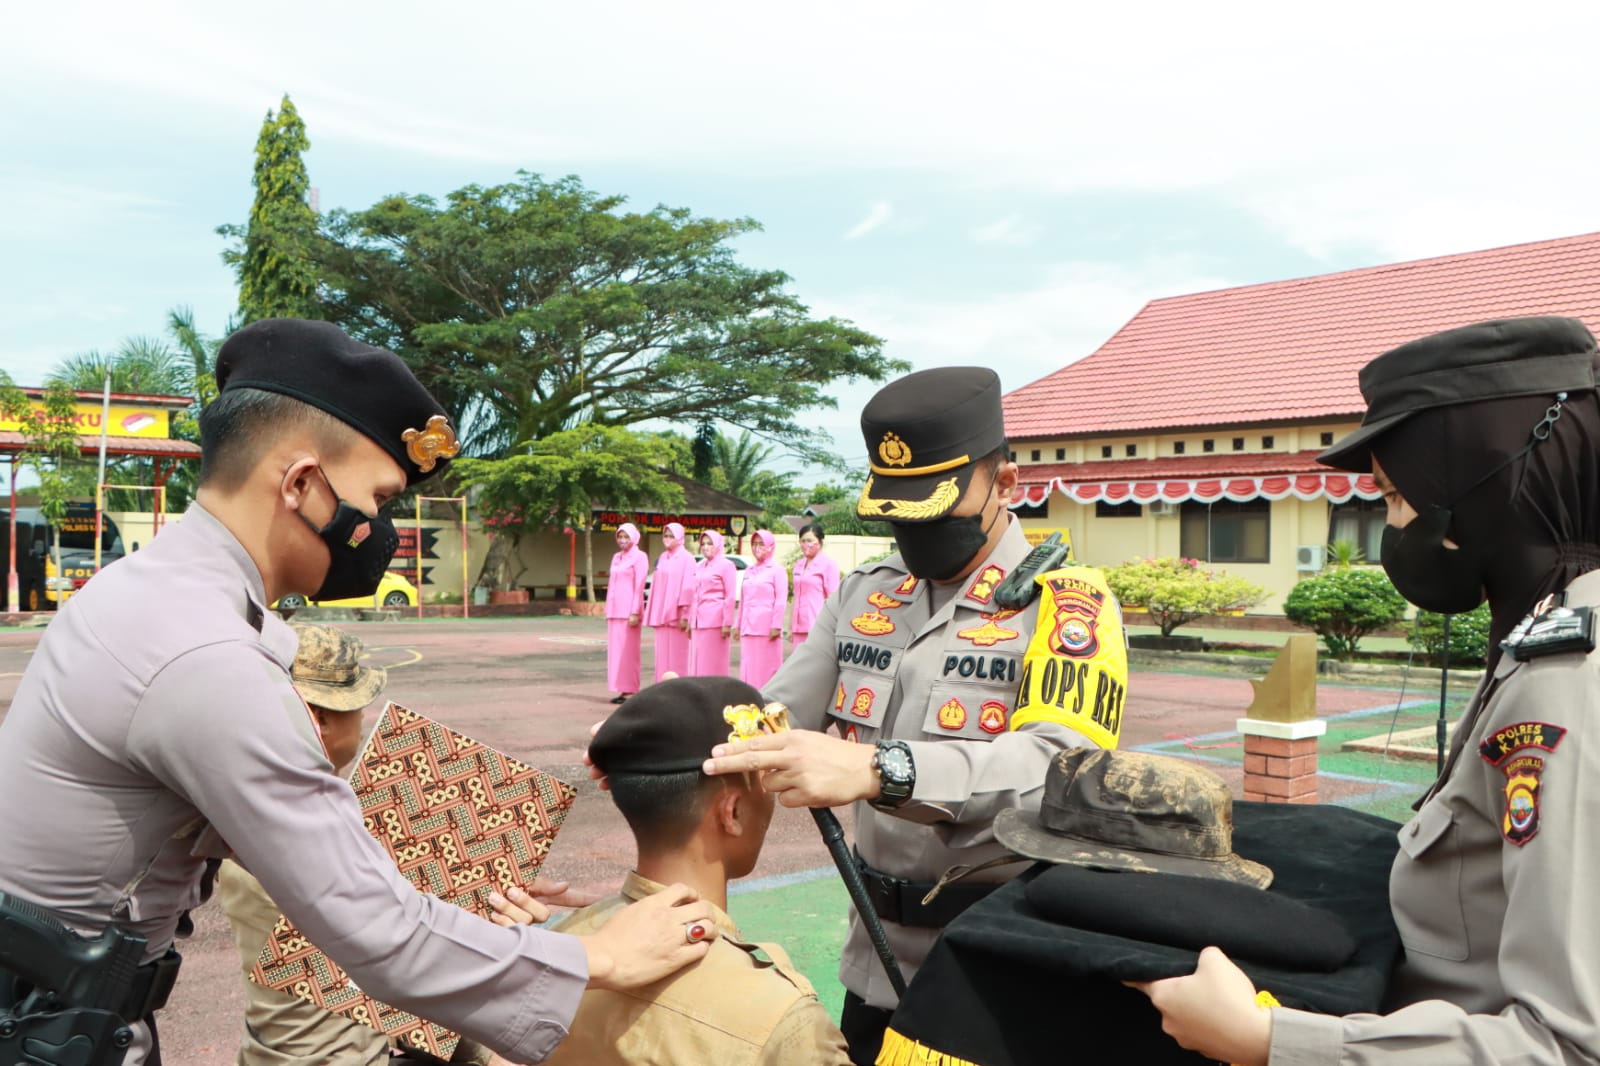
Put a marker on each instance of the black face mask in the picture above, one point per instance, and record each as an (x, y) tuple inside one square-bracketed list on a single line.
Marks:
[(360, 548), (1431, 576), (938, 550), (1435, 578)]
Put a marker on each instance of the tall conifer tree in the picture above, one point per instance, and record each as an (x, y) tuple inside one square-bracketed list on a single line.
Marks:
[(276, 276)]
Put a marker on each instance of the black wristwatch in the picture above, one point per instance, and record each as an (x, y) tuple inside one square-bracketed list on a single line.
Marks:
[(897, 774)]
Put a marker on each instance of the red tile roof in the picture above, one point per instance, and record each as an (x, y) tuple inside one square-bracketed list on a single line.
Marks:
[(1290, 350), (89, 444)]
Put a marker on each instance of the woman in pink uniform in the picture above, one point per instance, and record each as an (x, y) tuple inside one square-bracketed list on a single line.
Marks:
[(816, 577), (716, 595), (763, 596), (624, 612), (667, 611)]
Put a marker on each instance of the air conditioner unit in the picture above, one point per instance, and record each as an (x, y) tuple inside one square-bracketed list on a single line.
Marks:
[(1163, 508), (1309, 557)]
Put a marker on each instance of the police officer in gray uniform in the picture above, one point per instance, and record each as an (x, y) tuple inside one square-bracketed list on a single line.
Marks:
[(156, 730), (949, 707), (1485, 442)]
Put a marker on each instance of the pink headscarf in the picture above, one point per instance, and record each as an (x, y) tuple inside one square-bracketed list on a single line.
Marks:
[(633, 534), (716, 543), (676, 530), (764, 536)]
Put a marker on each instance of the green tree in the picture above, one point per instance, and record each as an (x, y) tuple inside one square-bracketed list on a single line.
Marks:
[(50, 449), (1343, 605), (535, 306), (839, 515), (705, 439), (152, 366), (556, 482), (271, 255), (1179, 591), (1469, 636)]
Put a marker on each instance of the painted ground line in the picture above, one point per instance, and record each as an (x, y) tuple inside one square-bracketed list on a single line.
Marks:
[(798, 877)]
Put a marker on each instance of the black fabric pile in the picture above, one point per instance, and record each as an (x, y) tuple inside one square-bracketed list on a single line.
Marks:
[(1008, 986)]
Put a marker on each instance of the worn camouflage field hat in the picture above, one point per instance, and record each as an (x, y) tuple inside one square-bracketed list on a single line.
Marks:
[(328, 671), (1125, 810)]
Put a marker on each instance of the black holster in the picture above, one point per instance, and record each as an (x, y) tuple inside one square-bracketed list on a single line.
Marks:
[(70, 1000)]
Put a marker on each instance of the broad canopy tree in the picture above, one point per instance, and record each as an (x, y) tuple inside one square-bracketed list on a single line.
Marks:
[(556, 481), (535, 306)]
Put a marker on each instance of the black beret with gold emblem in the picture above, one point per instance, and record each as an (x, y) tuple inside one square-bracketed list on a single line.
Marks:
[(369, 389), (670, 727), (923, 434)]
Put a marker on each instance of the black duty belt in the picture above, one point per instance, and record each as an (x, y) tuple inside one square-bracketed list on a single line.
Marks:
[(897, 900)]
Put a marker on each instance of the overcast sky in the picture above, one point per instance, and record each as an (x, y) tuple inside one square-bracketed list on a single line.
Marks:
[(1002, 184)]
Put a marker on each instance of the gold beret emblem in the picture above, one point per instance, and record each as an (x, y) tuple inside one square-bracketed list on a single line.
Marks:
[(748, 720), (893, 451), (428, 445)]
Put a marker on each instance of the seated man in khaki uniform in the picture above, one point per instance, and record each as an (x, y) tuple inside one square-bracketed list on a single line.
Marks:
[(279, 1028), (743, 1003)]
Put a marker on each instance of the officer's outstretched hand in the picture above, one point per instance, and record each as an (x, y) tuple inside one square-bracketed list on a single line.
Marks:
[(531, 905), (648, 940), (1213, 1011), (803, 767)]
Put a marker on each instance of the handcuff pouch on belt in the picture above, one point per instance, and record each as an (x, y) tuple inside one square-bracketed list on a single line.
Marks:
[(918, 903)]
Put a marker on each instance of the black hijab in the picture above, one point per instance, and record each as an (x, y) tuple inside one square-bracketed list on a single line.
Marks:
[(1534, 523)]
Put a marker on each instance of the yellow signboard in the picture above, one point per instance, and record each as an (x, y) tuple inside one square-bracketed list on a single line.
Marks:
[(126, 420), (1036, 536)]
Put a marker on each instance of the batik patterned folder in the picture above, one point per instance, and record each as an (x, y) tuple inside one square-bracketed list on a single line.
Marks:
[(460, 820)]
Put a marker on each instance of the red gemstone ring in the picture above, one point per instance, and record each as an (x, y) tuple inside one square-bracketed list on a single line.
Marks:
[(695, 932)]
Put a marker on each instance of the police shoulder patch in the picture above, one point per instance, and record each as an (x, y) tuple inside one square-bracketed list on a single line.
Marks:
[(1075, 671)]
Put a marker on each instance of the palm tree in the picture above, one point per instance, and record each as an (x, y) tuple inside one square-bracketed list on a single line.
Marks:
[(149, 366)]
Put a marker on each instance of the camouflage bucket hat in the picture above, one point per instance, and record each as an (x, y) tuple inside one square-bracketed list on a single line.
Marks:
[(327, 670), (1125, 810)]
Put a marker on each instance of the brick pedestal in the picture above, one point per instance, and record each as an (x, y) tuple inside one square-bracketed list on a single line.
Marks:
[(1280, 760)]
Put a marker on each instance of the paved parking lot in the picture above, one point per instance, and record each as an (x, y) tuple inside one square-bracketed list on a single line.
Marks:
[(534, 686)]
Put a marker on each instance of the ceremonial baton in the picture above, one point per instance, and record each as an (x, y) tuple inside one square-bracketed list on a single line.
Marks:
[(747, 721), (833, 836)]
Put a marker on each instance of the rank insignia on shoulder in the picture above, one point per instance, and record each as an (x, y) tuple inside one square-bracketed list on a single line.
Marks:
[(884, 602), (1551, 632), (982, 587)]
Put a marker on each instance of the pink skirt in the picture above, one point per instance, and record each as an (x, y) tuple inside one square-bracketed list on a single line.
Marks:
[(712, 654), (797, 639), (622, 656), (759, 659), (672, 651)]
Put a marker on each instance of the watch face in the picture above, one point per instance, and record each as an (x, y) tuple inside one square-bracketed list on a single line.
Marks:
[(896, 764)]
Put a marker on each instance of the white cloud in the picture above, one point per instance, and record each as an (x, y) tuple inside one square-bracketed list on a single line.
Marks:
[(1023, 334), (1422, 127), (1008, 230), (877, 215)]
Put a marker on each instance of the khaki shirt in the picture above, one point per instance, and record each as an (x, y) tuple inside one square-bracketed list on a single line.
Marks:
[(1501, 963), (732, 1008), (281, 1029), (156, 725), (883, 662)]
